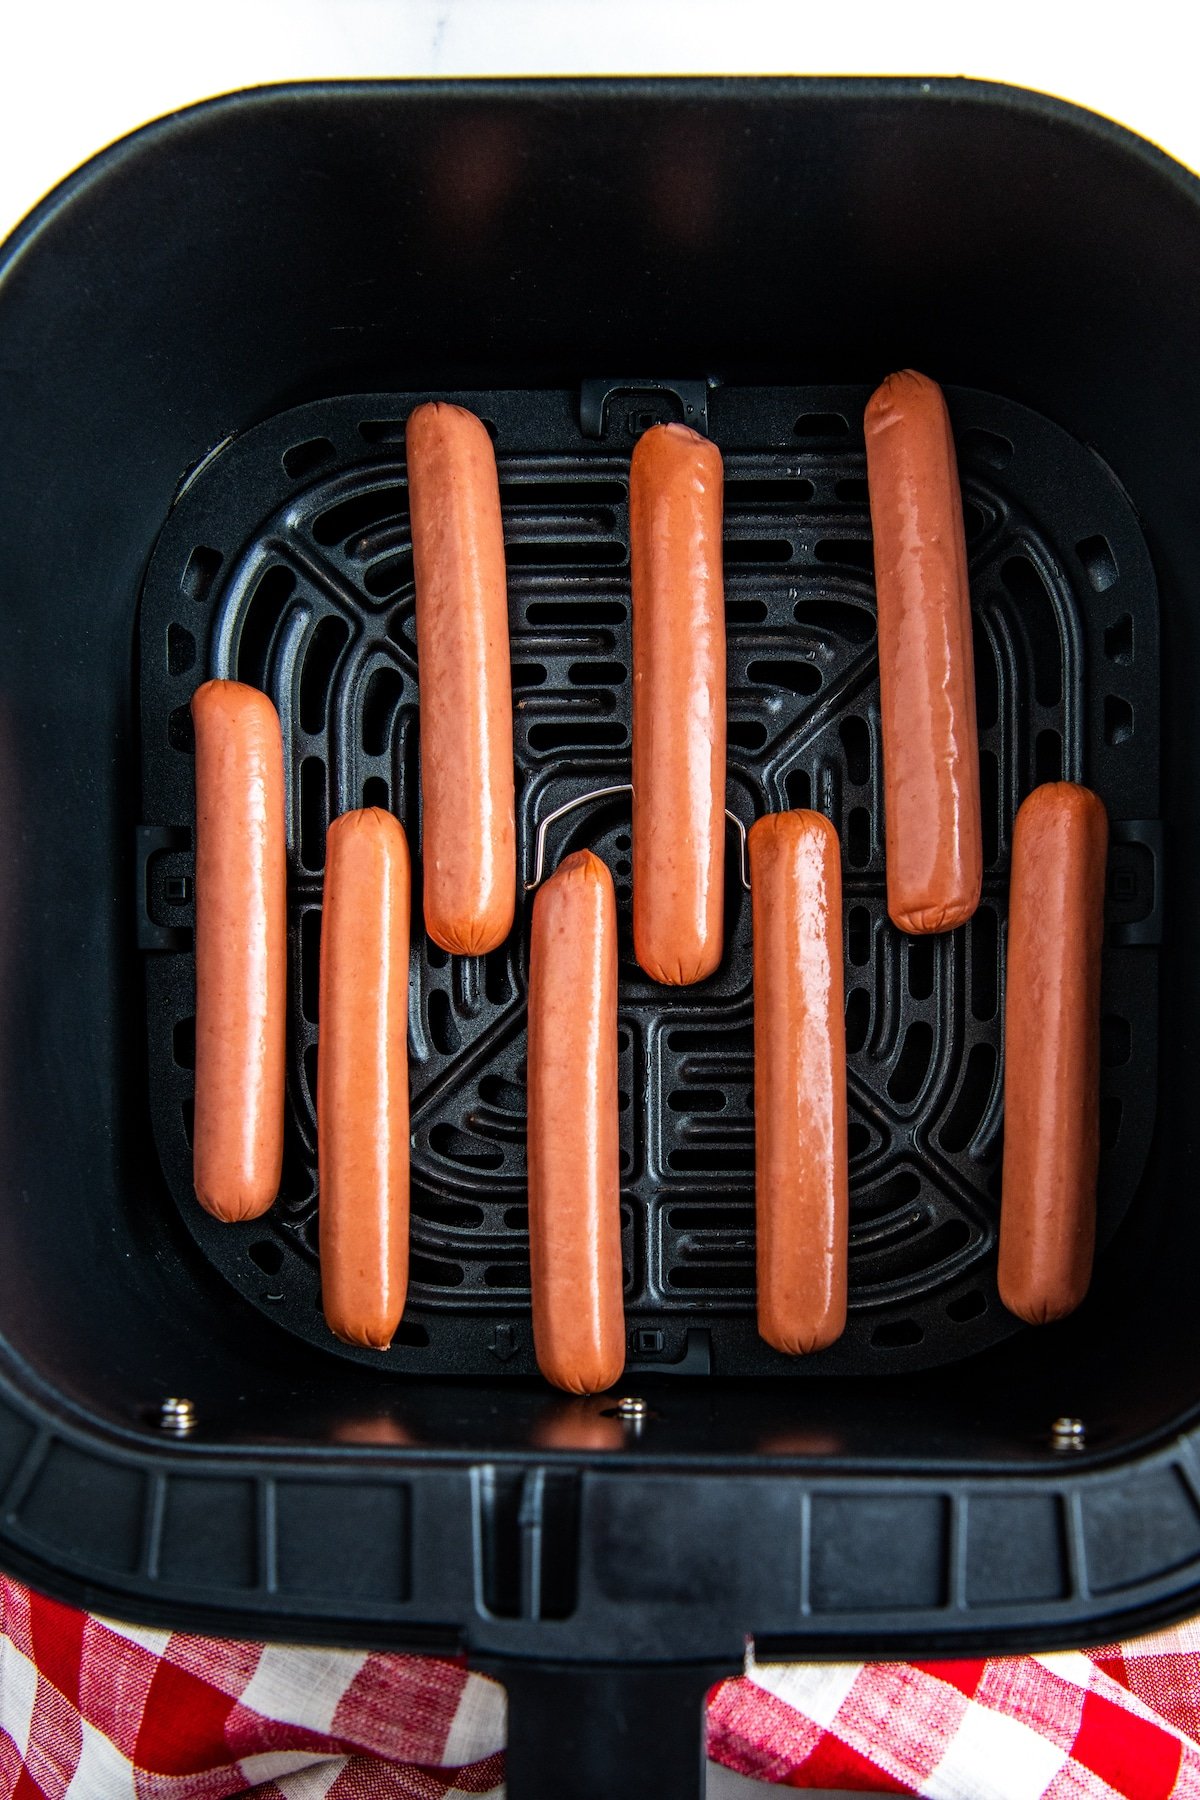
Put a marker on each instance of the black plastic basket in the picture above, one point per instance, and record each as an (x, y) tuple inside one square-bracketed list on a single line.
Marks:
[(209, 340)]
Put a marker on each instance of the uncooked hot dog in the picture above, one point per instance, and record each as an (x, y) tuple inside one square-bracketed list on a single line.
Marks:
[(675, 505), (574, 1150), (1052, 1052), (362, 1077), (801, 1183), (468, 845), (926, 660), (241, 950)]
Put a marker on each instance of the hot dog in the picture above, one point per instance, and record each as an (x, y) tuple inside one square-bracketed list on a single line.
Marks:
[(926, 660), (241, 950), (574, 1151), (362, 1078), (675, 504), (468, 836), (1052, 1052), (801, 1184)]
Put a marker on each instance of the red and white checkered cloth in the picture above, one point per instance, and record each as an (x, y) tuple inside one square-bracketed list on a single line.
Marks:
[(99, 1711)]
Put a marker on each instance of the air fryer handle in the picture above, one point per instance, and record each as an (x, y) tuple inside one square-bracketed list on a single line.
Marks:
[(588, 1733)]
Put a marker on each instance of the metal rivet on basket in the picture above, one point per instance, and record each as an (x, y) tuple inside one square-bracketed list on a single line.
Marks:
[(1068, 1434), (176, 1415)]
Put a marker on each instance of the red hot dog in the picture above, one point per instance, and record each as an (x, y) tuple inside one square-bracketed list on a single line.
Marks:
[(574, 1149), (801, 1182), (926, 658), (362, 1077), (675, 504), (1052, 1052), (468, 833), (241, 950)]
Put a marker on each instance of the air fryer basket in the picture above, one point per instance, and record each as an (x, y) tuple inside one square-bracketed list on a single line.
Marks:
[(288, 563), (208, 339)]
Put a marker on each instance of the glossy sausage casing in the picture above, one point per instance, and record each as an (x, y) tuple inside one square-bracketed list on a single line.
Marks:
[(926, 658), (574, 1148), (468, 839), (241, 950), (675, 508), (362, 1077), (801, 1181), (1052, 1052)]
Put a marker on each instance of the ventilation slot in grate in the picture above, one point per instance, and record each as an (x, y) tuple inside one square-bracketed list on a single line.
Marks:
[(261, 619)]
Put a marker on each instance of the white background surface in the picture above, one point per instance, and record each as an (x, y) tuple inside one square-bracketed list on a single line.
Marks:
[(73, 76)]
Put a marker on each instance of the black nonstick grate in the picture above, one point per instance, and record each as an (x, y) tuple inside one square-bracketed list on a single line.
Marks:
[(286, 562)]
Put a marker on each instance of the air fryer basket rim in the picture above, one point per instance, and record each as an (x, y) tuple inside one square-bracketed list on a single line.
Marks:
[(565, 1560), (912, 89)]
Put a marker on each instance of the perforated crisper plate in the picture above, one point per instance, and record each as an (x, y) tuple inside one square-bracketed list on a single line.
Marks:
[(286, 562)]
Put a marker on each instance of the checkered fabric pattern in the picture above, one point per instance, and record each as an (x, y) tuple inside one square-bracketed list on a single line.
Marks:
[(94, 1710), (1118, 1721)]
